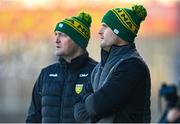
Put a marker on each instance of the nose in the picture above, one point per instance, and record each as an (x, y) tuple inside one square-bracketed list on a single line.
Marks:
[(57, 39), (101, 31)]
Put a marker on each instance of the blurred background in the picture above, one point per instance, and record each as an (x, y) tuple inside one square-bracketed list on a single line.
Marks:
[(26, 35)]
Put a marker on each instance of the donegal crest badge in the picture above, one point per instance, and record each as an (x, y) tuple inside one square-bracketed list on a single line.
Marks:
[(78, 88)]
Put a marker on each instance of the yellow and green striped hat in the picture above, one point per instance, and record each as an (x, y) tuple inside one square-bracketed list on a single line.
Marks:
[(77, 28), (125, 22)]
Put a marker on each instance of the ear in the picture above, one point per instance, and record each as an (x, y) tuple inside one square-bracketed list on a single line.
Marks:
[(120, 41)]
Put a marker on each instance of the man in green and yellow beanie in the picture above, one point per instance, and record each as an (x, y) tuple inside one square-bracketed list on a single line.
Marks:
[(121, 81), (125, 22), (59, 84)]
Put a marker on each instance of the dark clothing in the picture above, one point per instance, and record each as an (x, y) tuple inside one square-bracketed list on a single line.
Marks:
[(54, 92), (164, 119), (121, 83), (175, 105)]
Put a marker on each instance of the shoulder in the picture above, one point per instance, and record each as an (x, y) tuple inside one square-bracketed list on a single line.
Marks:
[(134, 65), (50, 68), (91, 63), (134, 69)]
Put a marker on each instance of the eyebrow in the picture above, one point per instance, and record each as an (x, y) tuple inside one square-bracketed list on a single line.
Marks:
[(57, 32), (104, 24)]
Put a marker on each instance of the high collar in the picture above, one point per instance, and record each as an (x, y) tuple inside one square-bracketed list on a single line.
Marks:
[(115, 51), (75, 63)]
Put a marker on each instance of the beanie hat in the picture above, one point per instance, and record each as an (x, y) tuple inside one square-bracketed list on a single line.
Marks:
[(77, 28), (125, 22)]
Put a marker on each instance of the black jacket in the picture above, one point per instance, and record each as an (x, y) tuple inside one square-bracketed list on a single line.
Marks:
[(56, 88), (121, 84)]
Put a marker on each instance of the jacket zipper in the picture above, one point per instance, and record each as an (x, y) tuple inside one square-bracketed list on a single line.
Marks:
[(63, 90)]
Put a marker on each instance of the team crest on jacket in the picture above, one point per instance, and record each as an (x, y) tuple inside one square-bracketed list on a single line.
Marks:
[(78, 88)]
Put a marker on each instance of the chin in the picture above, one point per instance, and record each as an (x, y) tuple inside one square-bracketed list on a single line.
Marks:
[(106, 48), (58, 53), (103, 46)]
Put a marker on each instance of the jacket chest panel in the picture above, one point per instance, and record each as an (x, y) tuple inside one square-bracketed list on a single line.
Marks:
[(52, 85), (65, 83), (108, 68)]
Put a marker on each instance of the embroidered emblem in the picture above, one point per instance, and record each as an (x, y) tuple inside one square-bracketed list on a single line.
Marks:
[(60, 25), (78, 88), (116, 31)]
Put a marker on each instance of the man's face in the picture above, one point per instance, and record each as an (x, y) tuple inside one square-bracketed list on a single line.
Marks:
[(107, 37), (64, 46)]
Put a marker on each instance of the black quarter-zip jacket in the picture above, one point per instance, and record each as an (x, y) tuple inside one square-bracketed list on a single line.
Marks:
[(54, 92), (122, 85)]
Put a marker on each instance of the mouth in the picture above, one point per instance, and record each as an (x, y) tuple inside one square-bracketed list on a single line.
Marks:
[(57, 47), (101, 38)]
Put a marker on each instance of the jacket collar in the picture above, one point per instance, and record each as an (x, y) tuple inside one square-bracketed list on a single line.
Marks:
[(76, 63), (115, 51)]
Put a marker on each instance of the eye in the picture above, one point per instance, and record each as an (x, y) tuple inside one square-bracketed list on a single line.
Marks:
[(64, 35), (104, 25), (60, 34), (57, 33)]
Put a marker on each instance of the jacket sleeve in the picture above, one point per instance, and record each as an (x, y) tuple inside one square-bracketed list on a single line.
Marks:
[(118, 88), (34, 112), (80, 113)]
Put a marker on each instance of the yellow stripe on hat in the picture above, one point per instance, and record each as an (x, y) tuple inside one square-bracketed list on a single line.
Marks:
[(81, 24), (130, 18), (125, 20), (78, 27), (120, 19)]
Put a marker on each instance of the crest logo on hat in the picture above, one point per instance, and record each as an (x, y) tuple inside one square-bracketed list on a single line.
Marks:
[(78, 88), (60, 25), (116, 31)]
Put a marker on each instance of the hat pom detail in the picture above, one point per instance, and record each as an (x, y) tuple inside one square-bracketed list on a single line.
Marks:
[(140, 11), (86, 17)]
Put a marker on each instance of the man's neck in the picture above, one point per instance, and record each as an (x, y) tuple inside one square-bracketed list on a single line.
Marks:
[(107, 49), (73, 56), (118, 42)]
